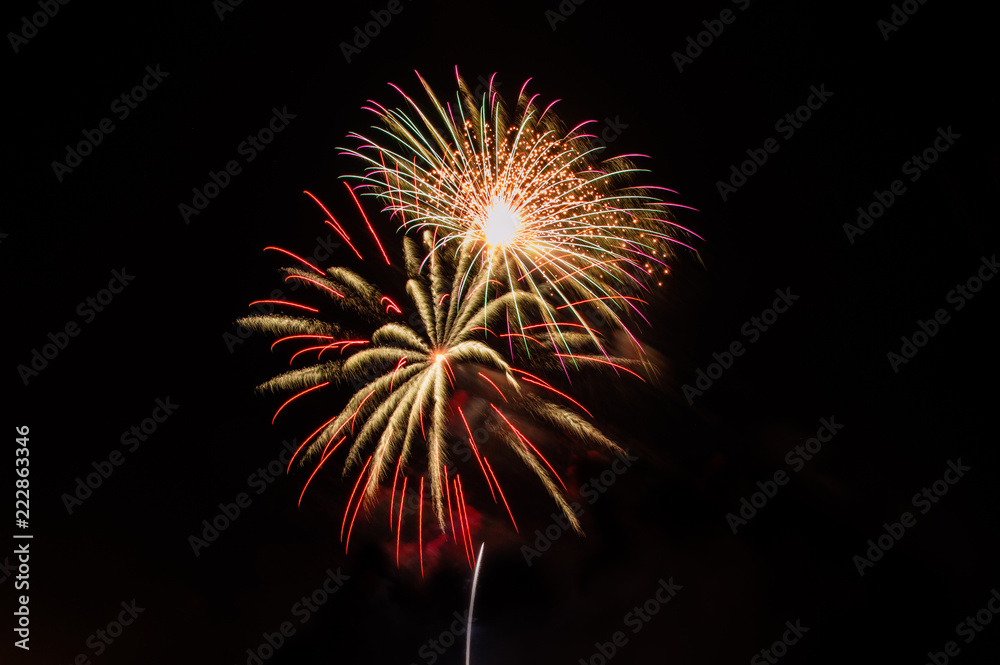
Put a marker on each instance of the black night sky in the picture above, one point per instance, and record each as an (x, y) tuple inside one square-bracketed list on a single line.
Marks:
[(120, 308)]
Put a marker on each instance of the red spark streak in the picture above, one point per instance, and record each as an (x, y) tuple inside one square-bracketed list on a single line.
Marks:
[(335, 225), (317, 283), (321, 428), (512, 335), (296, 257), (402, 361), (460, 534), (461, 524), (297, 450), (523, 438), (598, 360), (392, 305), (447, 494), (500, 489), (301, 337), (351, 499), (601, 298), (324, 347), (420, 527), (399, 524), (355, 416), (465, 513), (482, 328), (308, 348), (472, 441), (307, 390), (481, 285), (538, 382), (358, 203), (494, 385), (559, 325), (361, 499), (392, 497), (509, 334), (346, 343), (442, 298), (283, 302), (322, 461), (448, 371)]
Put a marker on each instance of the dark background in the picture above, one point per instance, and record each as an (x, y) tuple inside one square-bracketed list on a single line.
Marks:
[(165, 334)]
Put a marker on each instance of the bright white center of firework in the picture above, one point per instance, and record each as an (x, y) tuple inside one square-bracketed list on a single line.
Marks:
[(439, 358), (501, 224)]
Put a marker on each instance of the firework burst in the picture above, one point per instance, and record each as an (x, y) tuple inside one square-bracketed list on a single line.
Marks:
[(407, 373), (522, 195)]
